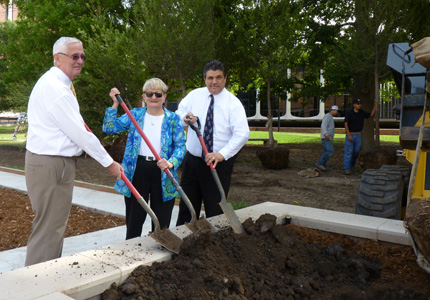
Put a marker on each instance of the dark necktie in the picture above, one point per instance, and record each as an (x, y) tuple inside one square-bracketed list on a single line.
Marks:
[(208, 133)]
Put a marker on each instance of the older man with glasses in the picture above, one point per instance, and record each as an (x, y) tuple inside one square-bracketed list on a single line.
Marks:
[(56, 136)]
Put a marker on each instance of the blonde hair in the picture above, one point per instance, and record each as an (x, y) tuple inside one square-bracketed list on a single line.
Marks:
[(155, 84)]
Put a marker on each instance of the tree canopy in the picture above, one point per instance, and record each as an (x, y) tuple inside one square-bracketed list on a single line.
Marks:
[(259, 41)]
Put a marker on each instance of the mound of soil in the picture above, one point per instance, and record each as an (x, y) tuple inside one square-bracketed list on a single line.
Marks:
[(268, 261)]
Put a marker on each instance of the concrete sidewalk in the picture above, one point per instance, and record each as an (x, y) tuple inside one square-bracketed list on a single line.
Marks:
[(101, 199)]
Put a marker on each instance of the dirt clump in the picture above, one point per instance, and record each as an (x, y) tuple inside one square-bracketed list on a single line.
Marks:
[(274, 158), (417, 222), (376, 159), (268, 261)]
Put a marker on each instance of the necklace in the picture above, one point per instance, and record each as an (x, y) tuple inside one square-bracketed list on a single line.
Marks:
[(151, 120)]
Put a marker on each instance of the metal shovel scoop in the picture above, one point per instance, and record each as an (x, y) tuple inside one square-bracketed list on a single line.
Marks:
[(227, 208), (165, 237), (194, 225)]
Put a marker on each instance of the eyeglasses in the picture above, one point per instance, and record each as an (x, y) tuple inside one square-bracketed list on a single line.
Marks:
[(75, 56), (157, 94)]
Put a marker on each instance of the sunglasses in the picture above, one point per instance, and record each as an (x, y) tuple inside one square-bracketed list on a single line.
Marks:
[(157, 94), (75, 56)]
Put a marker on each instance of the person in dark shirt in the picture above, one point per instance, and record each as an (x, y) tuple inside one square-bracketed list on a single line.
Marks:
[(354, 122)]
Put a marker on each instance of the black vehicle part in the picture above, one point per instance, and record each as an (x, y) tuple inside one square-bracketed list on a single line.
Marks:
[(380, 193), (406, 172)]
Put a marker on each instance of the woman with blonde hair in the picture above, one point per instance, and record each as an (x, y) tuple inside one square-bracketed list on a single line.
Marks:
[(165, 131)]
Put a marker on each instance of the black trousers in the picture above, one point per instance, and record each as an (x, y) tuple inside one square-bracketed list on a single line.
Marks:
[(199, 185), (147, 181)]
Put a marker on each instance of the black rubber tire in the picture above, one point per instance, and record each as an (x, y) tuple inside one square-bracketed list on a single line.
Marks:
[(406, 171), (380, 194)]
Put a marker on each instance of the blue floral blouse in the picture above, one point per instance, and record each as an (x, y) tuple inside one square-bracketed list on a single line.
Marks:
[(172, 146)]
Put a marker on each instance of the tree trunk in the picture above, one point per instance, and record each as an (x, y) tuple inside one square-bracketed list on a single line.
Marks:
[(184, 91), (364, 90), (269, 124), (377, 139), (364, 84)]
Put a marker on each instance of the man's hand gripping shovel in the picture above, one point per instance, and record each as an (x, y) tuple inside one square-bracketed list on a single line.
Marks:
[(194, 225), (227, 208), (165, 237)]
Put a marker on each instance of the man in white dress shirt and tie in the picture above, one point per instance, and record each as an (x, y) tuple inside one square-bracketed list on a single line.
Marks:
[(230, 134), (56, 136)]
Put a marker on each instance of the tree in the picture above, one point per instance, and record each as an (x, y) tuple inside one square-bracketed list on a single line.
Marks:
[(102, 27), (264, 41), (112, 62), (175, 38), (361, 32)]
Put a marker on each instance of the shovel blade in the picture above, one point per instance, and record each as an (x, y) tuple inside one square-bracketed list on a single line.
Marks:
[(200, 225), (231, 216), (168, 240)]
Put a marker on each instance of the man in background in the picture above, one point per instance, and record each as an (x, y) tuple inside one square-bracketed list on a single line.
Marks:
[(327, 135), (354, 122)]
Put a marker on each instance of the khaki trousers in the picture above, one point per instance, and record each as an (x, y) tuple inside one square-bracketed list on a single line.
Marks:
[(50, 181)]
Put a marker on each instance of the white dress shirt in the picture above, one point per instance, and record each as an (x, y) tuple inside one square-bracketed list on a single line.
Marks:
[(55, 125), (231, 130)]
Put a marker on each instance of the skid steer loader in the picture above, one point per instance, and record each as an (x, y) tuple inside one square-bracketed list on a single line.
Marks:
[(403, 192)]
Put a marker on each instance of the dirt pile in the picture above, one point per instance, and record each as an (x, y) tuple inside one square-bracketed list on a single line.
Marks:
[(268, 261)]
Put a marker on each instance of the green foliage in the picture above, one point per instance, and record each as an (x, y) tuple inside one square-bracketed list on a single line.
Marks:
[(112, 62), (301, 138), (28, 48), (175, 39)]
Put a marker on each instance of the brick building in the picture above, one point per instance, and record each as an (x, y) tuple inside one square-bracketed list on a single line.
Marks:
[(8, 13)]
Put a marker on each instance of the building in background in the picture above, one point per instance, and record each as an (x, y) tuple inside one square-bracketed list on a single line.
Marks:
[(8, 13)]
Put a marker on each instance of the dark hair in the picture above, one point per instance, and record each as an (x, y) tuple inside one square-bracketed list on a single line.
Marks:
[(213, 65)]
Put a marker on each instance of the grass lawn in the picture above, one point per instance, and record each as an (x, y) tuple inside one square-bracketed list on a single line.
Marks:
[(300, 138), (6, 137)]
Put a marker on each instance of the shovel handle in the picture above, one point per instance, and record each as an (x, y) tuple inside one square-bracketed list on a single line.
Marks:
[(199, 136), (139, 129), (136, 194)]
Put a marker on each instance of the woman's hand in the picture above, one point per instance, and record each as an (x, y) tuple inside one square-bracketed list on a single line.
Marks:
[(164, 164), (112, 94)]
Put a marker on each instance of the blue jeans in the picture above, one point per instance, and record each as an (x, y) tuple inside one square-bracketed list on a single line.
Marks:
[(327, 152), (351, 151)]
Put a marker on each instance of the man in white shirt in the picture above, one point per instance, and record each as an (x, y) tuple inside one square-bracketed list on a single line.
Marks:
[(56, 136), (230, 134)]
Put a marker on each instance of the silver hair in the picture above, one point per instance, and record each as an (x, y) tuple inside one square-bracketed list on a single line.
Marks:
[(155, 84), (62, 43)]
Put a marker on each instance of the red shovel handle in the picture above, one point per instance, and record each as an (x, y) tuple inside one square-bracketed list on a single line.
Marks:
[(123, 177), (202, 142), (139, 129)]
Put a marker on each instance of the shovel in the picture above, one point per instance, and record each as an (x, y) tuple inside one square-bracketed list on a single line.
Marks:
[(165, 237), (227, 208), (194, 225)]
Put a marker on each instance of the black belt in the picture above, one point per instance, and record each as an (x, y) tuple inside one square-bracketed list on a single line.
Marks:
[(148, 158)]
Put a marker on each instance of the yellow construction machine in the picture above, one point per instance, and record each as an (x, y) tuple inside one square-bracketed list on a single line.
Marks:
[(403, 192)]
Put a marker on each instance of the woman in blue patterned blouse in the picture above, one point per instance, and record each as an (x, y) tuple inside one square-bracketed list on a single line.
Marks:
[(164, 130)]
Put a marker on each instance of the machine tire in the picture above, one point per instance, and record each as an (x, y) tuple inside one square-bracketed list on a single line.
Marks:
[(406, 171), (380, 193)]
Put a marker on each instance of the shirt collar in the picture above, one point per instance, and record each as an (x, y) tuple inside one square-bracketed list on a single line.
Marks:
[(61, 76), (215, 96)]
